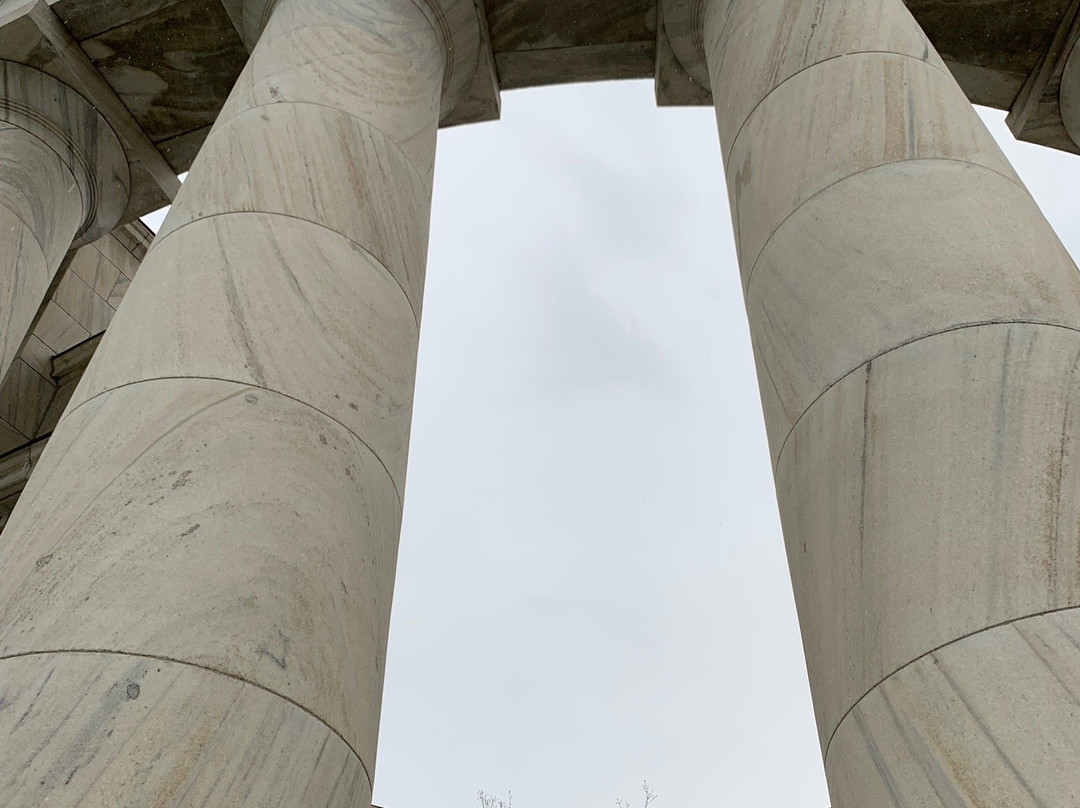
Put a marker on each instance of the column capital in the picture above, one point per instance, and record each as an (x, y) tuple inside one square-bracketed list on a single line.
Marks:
[(684, 22), (68, 124), (455, 21), (1069, 98)]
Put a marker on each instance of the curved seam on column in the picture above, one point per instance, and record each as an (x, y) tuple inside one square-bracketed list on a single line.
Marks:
[(904, 344), (439, 26), (89, 207), (89, 212), (196, 666), (33, 235), (374, 258), (254, 386), (934, 650), (907, 161), (443, 32), (415, 169), (802, 70)]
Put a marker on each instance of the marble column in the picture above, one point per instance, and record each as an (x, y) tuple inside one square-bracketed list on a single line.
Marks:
[(916, 325), (63, 179), (196, 583), (1069, 94)]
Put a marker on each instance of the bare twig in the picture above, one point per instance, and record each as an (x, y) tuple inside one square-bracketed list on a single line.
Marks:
[(650, 797), (491, 801)]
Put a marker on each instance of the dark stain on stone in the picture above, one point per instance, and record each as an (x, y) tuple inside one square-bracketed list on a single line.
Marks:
[(251, 398), (190, 530), (44, 561), (34, 700), (182, 480), (517, 25), (281, 661), (133, 691), (322, 439), (173, 68)]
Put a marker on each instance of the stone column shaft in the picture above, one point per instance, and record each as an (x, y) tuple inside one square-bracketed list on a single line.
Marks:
[(63, 177), (1069, 94), (916, 325), (197, 580)]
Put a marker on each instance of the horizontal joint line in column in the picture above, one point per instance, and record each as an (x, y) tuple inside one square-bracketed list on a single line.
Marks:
[(239, 383), (859, 173), (826, 60), (293, 103), (934, 650), (904, 344), (196, 666), (64, 162), (374, 258)]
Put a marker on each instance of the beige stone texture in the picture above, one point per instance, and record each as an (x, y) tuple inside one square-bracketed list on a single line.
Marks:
[(789, 36), (1003, 701), (302, 311), (63, 178), (460, 33), (886, 282), (950, 501), (43, 377), (222, 525), (224, 489), (916, 327), (908, 105), (100, 730)]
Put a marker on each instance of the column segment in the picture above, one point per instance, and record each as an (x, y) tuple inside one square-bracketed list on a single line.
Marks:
[(63, 179), (916, 325), (197, 579), (1069, 94)]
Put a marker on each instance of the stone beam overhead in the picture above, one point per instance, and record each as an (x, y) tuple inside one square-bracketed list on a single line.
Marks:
[(101, 49), (1040, 113), (172, 62), (94, 86)]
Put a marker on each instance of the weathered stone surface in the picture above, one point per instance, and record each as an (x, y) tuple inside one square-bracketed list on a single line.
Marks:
[(221, 499), (63, 177), (173, 69), (329, 326), (880, 281), (997, 34), (218, 524), (232, 465), (100, 730), (916, 326), (988, 720), (518, 25), (949, 505), (914, 111)]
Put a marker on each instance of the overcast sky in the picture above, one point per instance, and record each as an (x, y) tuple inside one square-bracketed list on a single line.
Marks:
[(592, 588)]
